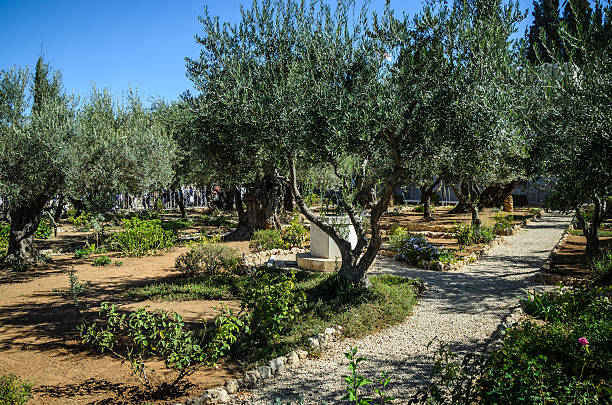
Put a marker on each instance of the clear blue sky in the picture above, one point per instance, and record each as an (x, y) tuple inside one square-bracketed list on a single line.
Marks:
[(118, 44)]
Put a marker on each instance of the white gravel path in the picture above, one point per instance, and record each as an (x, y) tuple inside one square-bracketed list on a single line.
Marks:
[(462, 309)]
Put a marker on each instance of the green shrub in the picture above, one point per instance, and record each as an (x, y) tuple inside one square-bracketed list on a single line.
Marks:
[(101, 261), (396, 236), (216, 220), (602, 267), (467, 235), (419, 208), (273, 303), (208, 259), (295, 234), (4, 237), (266, 239), (13, 391), (176, 225), (138, 335), (85, 252), (44, 230), (82, 222), (536, 212), (503, 224), (141, 237)]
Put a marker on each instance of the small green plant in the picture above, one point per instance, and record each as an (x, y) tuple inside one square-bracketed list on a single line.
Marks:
[(44, 230), (118, 263), (208, 259), (82, 222), (176, 225), (4, 237), (85, 252), (295, 234), (13, 391), (266, 239), (602, 267), (228, 328), (136, 336), (396, 236), (536, 212), (101, 261), (273, 303), (141, 237), (75, 289), (216, 220), (355, 381), (503, 224), (467, 234)]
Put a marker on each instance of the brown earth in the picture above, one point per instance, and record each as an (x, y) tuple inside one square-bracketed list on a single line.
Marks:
[(570, 261), (39, 342)]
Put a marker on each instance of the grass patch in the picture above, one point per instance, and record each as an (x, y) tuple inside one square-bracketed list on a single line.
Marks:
[(191, 288), (603, 233)]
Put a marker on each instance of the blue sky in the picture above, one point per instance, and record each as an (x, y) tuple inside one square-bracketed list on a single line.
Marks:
[(118, 44)]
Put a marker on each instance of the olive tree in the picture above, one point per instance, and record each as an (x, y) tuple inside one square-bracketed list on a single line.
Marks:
[(572, 122), (89, 152)]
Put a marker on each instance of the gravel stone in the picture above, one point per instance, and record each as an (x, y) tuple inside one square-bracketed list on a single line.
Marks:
[(462, 309)]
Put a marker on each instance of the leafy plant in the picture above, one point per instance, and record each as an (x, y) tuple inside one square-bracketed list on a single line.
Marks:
[(602, 267), (4, 237), (273, 303), (467, 234), (44, 230), (176, 225), (141, 237), (355, 381), (216, 220), (266, 239), (228, 328), (13, 391), (135, 336), (75, 289), (82, 222), (295, 234), (118, 263), (208, 259), (101, 261), (503, 224), (396, 236), (85, 252), (415, 249)]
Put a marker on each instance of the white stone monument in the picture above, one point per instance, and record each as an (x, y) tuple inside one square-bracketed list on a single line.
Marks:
[(324, 253)]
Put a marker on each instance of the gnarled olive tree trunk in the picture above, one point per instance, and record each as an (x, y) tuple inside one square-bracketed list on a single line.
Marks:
[(24, 222), (494, 195), (469, 197), (426, 193), (260, 208), (590, 231)]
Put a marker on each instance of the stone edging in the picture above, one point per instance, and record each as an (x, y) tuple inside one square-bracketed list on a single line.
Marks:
[(263, 257)]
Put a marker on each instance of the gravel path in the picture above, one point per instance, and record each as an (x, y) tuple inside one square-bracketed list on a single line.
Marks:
[(462, 309)]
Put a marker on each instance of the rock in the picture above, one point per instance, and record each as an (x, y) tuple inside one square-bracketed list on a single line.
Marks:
[(265, 372), (219, 395), (293, 359), (302, 354), (195, 401), (330, 331), (277, 365), (232, 386), (240, 382), (314, 342), (251, 378), (438, 266)]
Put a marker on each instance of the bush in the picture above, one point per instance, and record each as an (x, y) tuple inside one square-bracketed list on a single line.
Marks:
[(468, 235), (266, 239), (416, 249), (13, 391), (208, 259), (138, 335), (85, 252), (503, 224), (602, 267), (295, 234), (101, 261), (44, 230), (4, 237), (176, 225), (216, 220), (273, 303), (82, 222), (397, 235), (141, 237)]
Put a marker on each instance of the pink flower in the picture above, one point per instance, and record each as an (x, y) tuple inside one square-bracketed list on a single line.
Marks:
[(583, 341)]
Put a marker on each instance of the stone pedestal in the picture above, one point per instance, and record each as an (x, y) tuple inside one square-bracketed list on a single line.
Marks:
[(509, 204), (324, 253)]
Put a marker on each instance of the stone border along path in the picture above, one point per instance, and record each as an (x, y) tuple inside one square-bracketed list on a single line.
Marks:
[(462, 309)]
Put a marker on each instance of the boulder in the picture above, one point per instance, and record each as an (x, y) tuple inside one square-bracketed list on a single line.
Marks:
[(277, 365)]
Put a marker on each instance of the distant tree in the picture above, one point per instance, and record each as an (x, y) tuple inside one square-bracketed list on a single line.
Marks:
[(55, 148), (546, 21)]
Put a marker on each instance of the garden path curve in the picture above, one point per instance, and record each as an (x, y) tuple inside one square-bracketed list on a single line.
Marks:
[(462, 309)]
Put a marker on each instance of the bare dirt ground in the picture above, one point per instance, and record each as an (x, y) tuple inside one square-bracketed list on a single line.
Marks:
[(39, 341), (570, 262)]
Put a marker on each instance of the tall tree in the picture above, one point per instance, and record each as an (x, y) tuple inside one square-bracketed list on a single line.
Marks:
[(545, 24)]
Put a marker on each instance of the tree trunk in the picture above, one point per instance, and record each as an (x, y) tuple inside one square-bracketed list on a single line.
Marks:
[(476, 222), (462, 206), (261, 207), (426, 193), (591, 231), (59, 210), (494, 195), (24, 221), (181, 203)]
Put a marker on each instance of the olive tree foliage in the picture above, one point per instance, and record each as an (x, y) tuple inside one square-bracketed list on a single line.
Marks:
[(121, 148), (573, 124), (480, 121), (51, 145), (37, 130)]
